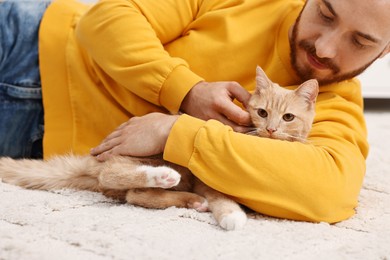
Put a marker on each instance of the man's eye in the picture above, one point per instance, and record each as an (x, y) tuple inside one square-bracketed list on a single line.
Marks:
[(288, 117), (326, 18), (358, 44), (262, 113)]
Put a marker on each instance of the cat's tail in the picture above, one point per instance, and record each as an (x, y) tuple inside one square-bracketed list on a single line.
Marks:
[(78, 172)]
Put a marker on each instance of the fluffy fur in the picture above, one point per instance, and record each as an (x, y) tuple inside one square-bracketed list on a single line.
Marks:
[(279, 113), (153, 183)]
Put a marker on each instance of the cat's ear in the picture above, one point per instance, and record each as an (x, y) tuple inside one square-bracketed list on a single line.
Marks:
[(309, 89), (262, 81)]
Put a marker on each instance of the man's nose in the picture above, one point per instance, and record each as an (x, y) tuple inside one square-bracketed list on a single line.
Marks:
[(326, 45)]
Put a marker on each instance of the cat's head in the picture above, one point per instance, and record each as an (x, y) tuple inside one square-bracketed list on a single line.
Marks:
[(279, 113)]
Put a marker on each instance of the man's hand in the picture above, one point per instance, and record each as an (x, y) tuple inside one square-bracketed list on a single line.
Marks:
[(147, 135), (215, 101), (139, 136)]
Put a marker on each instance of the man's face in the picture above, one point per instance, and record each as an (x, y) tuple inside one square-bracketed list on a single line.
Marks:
[(334, 40)]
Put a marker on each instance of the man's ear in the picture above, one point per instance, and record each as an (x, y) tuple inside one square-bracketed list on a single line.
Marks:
[(385, 51)]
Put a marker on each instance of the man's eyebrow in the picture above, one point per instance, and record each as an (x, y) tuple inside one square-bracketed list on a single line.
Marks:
[(368, 37), (330, 8)]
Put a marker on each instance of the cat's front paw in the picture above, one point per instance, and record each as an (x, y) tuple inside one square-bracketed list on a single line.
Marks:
[(161, 176), (233, 221)]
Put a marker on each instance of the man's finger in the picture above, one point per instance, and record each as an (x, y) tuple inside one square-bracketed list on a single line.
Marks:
[(237, 115), (104, 156), (105, 146), (239, 93)]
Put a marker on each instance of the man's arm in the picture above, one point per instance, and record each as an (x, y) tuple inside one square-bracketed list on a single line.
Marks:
[(318, 181), (126, 40)]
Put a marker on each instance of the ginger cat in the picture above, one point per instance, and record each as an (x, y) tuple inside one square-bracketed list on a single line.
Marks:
[(153, 183)]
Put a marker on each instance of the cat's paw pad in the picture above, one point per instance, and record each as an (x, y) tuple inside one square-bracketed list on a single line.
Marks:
[(161, 176), (233, 221), (199, 206)]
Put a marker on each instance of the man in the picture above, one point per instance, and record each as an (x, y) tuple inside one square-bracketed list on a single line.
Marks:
[(130, 58)]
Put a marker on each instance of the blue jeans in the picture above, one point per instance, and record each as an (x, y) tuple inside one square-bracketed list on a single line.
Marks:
[(21, 109)]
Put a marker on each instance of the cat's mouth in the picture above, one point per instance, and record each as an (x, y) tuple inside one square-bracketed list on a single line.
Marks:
[(260, 133), (273, 136), (276, 136)]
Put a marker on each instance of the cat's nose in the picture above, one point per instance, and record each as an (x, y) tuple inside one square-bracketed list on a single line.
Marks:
[(271, 130)]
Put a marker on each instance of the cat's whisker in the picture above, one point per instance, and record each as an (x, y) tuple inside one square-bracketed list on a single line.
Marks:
[(252, 132), (298, 138)]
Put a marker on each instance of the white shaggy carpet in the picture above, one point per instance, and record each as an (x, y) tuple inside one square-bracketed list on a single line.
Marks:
[(83, 225)]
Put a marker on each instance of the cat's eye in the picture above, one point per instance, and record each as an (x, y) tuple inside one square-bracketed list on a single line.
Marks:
[(262, 113), (288, 117)]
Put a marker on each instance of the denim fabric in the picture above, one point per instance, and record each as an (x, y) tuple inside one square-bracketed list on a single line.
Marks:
[(21, 110)]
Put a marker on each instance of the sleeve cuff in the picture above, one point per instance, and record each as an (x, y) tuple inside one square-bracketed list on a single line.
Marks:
[(180, 144), (176, 87)]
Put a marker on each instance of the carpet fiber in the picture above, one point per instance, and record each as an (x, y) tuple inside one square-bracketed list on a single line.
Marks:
[(71, 224)]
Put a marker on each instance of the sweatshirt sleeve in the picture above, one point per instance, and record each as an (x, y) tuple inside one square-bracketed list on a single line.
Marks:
[(316, 181), (126, 40)]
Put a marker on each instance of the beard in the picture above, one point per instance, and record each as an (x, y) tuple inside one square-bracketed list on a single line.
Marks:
[(306, 73)]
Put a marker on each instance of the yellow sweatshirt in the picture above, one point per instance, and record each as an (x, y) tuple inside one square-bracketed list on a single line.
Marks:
[(101, 65)]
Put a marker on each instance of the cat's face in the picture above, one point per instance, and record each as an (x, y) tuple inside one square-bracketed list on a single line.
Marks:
[(279, 113)]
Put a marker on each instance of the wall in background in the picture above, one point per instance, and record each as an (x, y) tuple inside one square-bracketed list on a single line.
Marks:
[(376, 80)]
